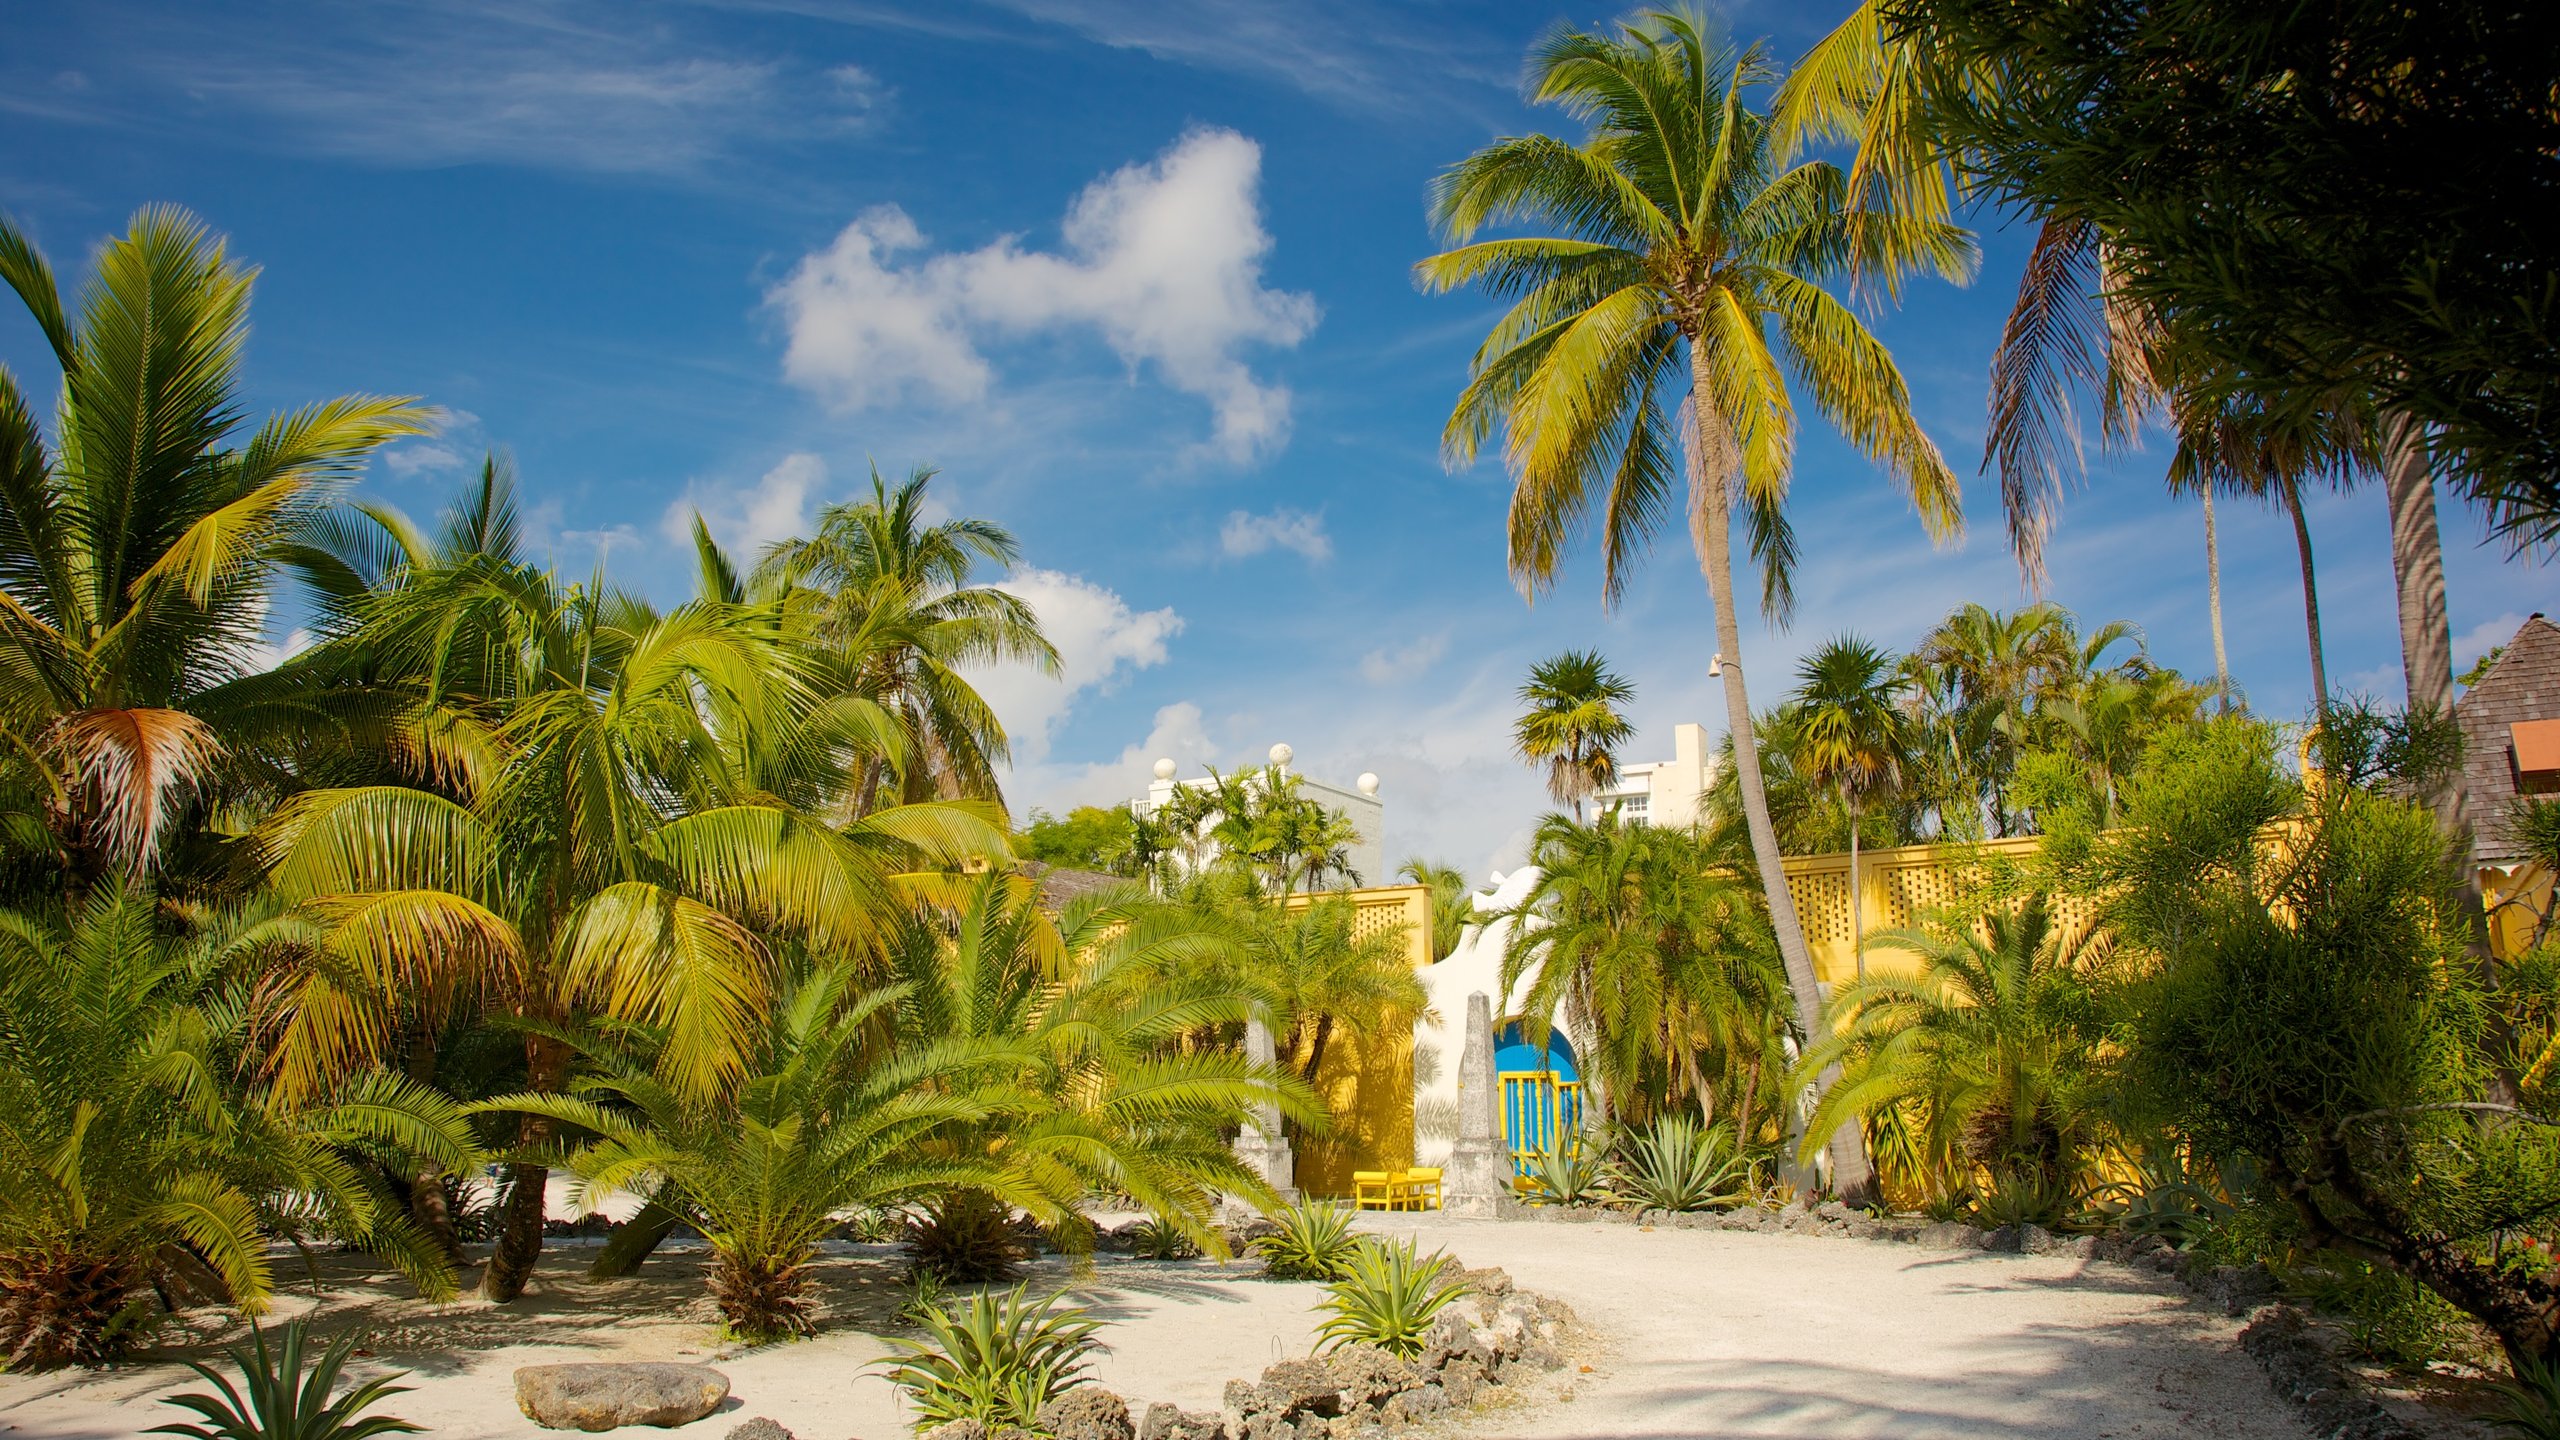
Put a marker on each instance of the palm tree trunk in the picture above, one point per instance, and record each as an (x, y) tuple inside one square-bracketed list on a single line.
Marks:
[(520, 1211), (2292, 494), (1857, 899), (2417, 564), (1712, 491), (2213, 596), (428, 1209)]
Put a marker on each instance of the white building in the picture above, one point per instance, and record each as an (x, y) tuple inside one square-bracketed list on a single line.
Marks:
[(1476, 965), (1359, 804), (1662, 792)]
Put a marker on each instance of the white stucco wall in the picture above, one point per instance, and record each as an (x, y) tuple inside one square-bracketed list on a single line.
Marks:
[(1475, 965)]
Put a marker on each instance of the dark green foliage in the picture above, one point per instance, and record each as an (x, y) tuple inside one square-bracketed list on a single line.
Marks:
[(1314, 1242), (967, 1237), (281, 1402), (2341, 198), (1088, 837), (1158, 1240), (2529, 1404), (996, 1359), (1678, 1164)]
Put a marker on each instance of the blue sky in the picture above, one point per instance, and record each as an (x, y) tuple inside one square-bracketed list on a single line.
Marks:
[(1135, 276)]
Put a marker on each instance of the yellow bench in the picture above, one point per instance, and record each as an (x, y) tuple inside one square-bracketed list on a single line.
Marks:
[(1413, 1189)]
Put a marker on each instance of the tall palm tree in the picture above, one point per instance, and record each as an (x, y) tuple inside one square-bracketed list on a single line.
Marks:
[(581, 836), (891, 591), (1679, 255), (1852, 734), (134, 575), (2000, 666), (1573, 724)]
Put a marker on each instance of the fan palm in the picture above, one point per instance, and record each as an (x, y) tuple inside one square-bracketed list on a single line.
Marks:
[(590, 838), (1573, 724), (1851, 734), (890, 592), (1683, 257), (133, 555), (1988, 1042), (132, 1155)]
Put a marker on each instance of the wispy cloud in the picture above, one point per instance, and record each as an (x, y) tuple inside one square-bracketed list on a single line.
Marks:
[(1163, 260), (1388, 664), (1247, 534)]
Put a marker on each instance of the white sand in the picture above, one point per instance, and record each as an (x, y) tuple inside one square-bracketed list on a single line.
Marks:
[(1690, 1334)]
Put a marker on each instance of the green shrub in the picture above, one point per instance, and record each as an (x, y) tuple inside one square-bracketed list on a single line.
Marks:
[(1573, 1173), (1314, 1242), (1388, 1297), (2529, 1404), (968, 1238), (1679, 1164), (2023, 1196), (924, 1293), (2387, 1316), (1160, 1239), (995, 1360), (282, 1403)]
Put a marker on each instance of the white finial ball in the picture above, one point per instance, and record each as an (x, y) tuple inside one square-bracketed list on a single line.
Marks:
[(1165, 768), (1282, 754), (1368, 782)]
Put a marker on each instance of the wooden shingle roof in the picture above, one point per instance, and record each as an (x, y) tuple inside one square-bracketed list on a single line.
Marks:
[(2524, 684)]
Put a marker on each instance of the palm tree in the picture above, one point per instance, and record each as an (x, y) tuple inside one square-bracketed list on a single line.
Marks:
[(132, 1155), (1452, 902), (1680, 256), (1572, 724), (762, 1170), (1988, 1044), (133, 556), (892, 592), (1999, 666), (583, 833), (1851, 733)]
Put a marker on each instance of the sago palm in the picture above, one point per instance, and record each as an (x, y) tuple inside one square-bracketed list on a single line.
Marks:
[(580, 833), (134, 551), (134, 1154), (1678, 276), (1573, 724)]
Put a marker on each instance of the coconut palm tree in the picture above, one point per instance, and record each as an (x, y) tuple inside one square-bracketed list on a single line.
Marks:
[(134, 580), (891, 590), (1999, 666), (1452, 902), (1989, 1043), (1851, 733), (134, 1154), (588, 839), (1678, 256), (1573, 724)]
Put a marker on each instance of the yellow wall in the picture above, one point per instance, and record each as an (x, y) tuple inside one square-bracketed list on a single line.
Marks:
[(1369, 1089), (1897, 884), (2515, 900)]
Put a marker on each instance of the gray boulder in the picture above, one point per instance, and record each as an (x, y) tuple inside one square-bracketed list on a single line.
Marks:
[(1492, 1281), (1172, 1422), (602, 1397), (760, 1428), (1951, 1235), (1417, 1405), (1367, 1376), (1087, 1412), (1304, 1387)]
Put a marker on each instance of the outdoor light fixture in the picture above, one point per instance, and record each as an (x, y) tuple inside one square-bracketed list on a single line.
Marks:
[(1715, 667)]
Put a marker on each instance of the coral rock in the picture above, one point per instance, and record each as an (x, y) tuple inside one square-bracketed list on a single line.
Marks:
[(602, 1397)]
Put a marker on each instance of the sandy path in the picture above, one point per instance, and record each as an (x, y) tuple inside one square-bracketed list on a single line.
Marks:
[(1690, 1334), (1709, 1335)]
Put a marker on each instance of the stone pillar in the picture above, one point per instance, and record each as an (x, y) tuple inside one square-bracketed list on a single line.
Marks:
[(1262, 1145), (1478, 1180)]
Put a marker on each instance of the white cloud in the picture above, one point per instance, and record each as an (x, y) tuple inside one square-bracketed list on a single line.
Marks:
[(1384, 666), (2480, 639), (1246, 533), (1177, 732), (1163, 260), (425, 457), (1099, 639), (747, 519)]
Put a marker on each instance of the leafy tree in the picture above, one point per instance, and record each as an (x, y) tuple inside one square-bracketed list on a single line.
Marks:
[(132, 1153), (1573, 724), (1088, 837), (134, 574), (1678, 256)]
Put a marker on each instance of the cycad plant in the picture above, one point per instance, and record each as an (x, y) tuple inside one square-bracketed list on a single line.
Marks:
[(822, 1124), (1675, 278), (995, 1359), (135, 551), (134, 1154), (282, 1401), (1387, 1297)]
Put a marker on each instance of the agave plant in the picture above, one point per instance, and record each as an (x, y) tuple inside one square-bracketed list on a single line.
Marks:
[(1313, 1242), (995, 1360), (1156, 1239), (284, 1403), (1679, 1164), (1388, 1297), (1573, 1173)]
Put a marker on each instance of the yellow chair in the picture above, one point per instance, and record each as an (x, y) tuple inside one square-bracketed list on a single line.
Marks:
[(1373, 1189), (1419, 1188)]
